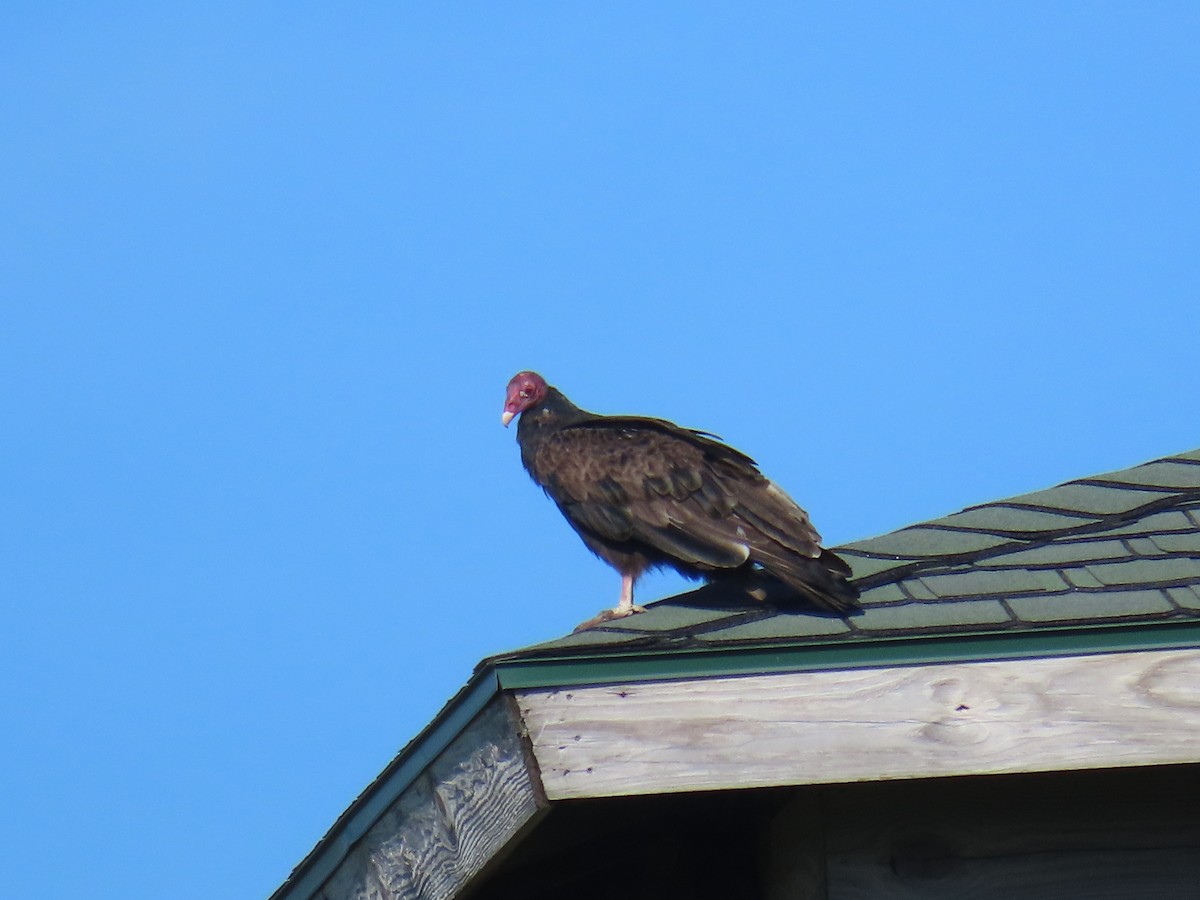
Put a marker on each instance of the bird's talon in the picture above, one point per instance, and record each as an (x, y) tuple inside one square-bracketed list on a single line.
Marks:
[(607, 615)]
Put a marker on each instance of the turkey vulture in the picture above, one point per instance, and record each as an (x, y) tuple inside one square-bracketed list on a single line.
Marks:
[(645, 493)]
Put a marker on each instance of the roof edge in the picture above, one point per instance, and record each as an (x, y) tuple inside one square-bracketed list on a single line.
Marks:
[(674, 663)]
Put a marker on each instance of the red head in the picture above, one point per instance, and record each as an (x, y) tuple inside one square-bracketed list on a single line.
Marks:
[(527, 389)]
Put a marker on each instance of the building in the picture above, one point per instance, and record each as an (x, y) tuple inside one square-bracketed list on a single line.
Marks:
[(1016, 712)]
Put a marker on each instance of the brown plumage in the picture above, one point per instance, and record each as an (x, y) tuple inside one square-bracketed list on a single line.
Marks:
[(644, 493)]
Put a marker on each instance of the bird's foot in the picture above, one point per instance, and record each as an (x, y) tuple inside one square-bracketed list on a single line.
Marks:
[(607, 615)]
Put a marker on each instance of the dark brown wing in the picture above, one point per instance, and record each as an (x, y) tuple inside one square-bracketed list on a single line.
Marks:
[(645, 486)]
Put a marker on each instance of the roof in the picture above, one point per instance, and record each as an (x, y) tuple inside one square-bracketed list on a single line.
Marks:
[(1120, 548), (1101, 564)]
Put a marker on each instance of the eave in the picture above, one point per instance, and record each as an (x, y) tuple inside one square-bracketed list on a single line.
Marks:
[(522, 696)]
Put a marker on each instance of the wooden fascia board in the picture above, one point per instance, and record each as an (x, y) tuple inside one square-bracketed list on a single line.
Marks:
[(915, 721), (459, 815), (307, 878), (451, 804)]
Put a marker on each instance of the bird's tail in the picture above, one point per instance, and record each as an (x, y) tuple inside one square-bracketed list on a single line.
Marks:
[(821, 580)]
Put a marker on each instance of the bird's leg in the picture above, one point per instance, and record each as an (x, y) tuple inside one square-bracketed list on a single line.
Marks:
[(624, 608)]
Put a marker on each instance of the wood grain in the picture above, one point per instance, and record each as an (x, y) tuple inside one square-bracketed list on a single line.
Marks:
[(455, 818), (1032, 715)]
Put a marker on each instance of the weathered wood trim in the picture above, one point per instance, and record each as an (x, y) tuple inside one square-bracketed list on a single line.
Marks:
[(1081, 712), (453, 819)]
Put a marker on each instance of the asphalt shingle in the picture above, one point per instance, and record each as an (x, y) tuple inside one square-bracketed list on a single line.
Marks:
[(973, 582), (886, 594), (917, 542), (866, 566), (1176, 543), (1186, 597), (1086, 606), (783, 625), (1081, 578), (940, 615), (1065, 551), (1147, 571), (1170, 520), (1166, 474), (1142, 546), (1007, 520), (668, 617), (1089, 499)]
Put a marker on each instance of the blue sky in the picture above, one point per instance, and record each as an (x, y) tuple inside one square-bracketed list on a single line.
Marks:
[(266, 269)]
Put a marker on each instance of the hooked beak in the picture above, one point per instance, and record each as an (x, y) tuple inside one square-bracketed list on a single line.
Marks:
[(506, 417)]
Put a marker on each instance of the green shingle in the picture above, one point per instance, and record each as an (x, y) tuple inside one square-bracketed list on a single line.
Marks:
[(1082, 606), (924, 542), (1163, 474), (993, 582), (670, 616), (1187, 597), (1081, 577), (925, 616), (1172, 520), (779, 626), (1143, 546), (1007, 519), (918, 589), (865, 566), (1177, 543), (1090, 499), (1058, 552), (594, 636), (1147, 571), (885, 593)]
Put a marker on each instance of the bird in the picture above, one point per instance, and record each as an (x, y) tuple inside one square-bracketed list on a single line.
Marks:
[(645, 493)]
